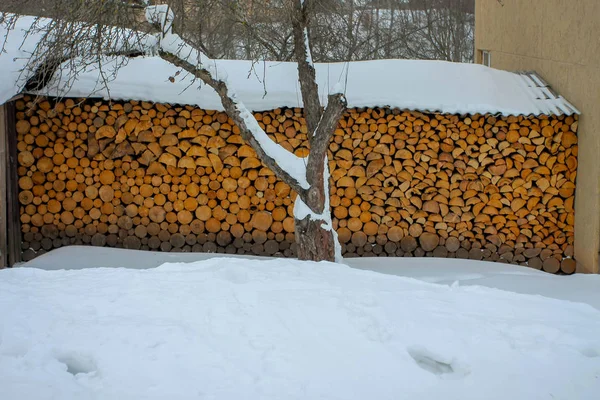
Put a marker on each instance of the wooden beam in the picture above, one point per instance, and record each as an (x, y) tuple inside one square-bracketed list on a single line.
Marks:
[(12, 188), (3, 191)]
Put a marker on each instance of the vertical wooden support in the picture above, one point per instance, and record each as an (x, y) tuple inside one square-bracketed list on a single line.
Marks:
[(12, 182), (10, 225), (3, 191)]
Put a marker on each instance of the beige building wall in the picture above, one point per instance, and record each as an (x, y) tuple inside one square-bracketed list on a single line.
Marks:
[(560, 40)]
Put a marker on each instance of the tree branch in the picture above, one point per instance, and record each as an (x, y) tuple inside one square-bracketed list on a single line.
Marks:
[(336, 105), (247, 124), (306, 69), (317, 159), (44, 73), (242, 20)]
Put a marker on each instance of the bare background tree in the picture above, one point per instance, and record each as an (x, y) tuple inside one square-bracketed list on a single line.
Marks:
[(341, 30), (381, 29)]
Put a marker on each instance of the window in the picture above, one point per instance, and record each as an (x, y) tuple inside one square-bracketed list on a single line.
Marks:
[(486, 58)]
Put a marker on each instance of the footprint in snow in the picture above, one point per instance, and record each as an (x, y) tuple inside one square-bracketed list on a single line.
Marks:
[(435, 363), (233, 275), (590, 352), (77, 363)]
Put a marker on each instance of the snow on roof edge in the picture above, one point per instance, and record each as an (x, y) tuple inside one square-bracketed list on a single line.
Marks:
[(418, 85), (559, 101), (425, 86)]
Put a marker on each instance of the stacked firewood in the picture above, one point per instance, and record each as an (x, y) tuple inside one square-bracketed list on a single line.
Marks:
[(177, 178)]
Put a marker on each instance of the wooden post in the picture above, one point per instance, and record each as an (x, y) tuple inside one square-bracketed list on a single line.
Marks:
[(10, 226), (13, 220), (3, 192)]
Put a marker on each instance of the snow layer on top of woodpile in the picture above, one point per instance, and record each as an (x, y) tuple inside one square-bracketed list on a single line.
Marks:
[(405, 84)]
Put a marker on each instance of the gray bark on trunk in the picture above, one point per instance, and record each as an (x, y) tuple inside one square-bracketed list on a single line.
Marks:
[(314, 243)]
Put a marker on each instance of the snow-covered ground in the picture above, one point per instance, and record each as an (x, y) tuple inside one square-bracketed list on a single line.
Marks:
[(514, 278), (251, 328)]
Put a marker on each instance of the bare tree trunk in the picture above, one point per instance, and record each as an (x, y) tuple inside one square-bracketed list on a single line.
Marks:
[(314, 242), (315, 236), (314, 231)]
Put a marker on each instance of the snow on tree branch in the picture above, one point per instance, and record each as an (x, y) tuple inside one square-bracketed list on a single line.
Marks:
[(174, 49), (309, 59), (161, 15), (306, 68)]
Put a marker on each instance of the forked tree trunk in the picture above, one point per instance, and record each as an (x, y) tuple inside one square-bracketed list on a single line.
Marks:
[(314, 243), (314, 234)]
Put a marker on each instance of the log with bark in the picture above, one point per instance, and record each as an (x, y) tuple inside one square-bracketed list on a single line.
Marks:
[(175, 178)]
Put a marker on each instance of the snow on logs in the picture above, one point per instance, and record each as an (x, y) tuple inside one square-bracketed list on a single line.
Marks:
[(176, 178)]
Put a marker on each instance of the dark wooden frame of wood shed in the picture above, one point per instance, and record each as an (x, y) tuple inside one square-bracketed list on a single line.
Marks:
[(10, 238)]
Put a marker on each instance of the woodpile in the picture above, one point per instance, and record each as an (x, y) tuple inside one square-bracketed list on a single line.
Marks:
[(176, 178)]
